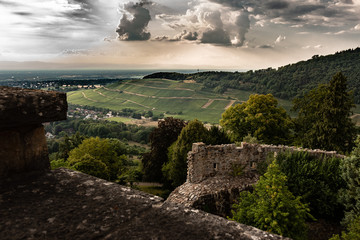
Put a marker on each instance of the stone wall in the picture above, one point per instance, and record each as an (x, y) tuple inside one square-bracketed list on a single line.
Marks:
[(220, 160), (23, 145)]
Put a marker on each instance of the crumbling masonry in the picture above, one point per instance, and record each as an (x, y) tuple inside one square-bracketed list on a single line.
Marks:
[(217, 174), (220, 160)]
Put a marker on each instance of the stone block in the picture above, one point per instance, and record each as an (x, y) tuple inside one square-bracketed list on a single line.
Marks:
[(23, 149), (19, 107)]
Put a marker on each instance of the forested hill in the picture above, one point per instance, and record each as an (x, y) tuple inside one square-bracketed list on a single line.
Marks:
[(286, 82)]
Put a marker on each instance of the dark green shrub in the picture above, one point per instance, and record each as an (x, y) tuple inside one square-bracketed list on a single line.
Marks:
[(272, 207), (350, 195), (352, 233), (89, 165), (317, 180)]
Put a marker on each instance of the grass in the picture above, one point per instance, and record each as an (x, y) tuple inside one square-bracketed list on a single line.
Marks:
[(120, 119)]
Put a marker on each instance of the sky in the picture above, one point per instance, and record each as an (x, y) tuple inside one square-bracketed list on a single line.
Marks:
[(173, 34)]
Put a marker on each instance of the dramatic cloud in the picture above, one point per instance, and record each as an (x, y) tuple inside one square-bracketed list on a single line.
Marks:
[(134, 29), (304, 12), (185, 35), (212, 23), (179, 29)]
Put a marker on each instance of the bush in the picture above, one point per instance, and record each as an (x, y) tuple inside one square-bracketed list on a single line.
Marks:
[(350, 194), (59, 163), (105, 150), (317, 180), (89, 165), (353, 231), (272, 207)]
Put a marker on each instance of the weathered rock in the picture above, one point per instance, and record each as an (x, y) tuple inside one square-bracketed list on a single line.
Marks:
[(23, 149), (214, 195), (22, 137), (64, 204), (19, 107)]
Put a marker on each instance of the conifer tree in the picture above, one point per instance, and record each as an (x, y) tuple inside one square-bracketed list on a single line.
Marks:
[(324, 117), (272, 207)]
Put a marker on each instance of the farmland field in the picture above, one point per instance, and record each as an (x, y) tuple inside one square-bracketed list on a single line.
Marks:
[(172, 98)]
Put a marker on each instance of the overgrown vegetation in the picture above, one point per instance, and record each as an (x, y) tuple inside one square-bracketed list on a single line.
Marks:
[(272, 207), (316, 180)]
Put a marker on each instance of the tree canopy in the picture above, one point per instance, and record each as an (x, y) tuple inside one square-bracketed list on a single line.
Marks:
[(175, 169), (99, 153), (161, 138), (260, 117), (324, 117)]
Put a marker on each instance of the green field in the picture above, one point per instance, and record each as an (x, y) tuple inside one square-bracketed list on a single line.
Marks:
[(172, 98)]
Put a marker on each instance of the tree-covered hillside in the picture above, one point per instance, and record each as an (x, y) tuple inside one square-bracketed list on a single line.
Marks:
[(286, 82)]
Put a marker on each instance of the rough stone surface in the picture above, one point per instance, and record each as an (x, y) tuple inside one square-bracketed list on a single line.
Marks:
[(224, 160), (64, 204), (20, 107), (22, 137), (214, 195), (23, 149)]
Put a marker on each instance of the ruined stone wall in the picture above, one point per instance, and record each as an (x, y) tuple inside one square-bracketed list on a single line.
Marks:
[(209, 161)]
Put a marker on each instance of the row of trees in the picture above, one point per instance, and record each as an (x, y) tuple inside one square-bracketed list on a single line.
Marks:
[(323, 120), (100, 128), (286, 82)]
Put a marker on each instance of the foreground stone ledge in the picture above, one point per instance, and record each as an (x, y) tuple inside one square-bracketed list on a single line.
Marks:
[(64, 204), (20, 107)]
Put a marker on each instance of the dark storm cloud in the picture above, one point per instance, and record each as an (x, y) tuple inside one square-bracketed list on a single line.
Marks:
[(277, 5), (134, 29), (265, 46), (295, 12), (190, 36), (233, 3), (243, 26), (216, 36)]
